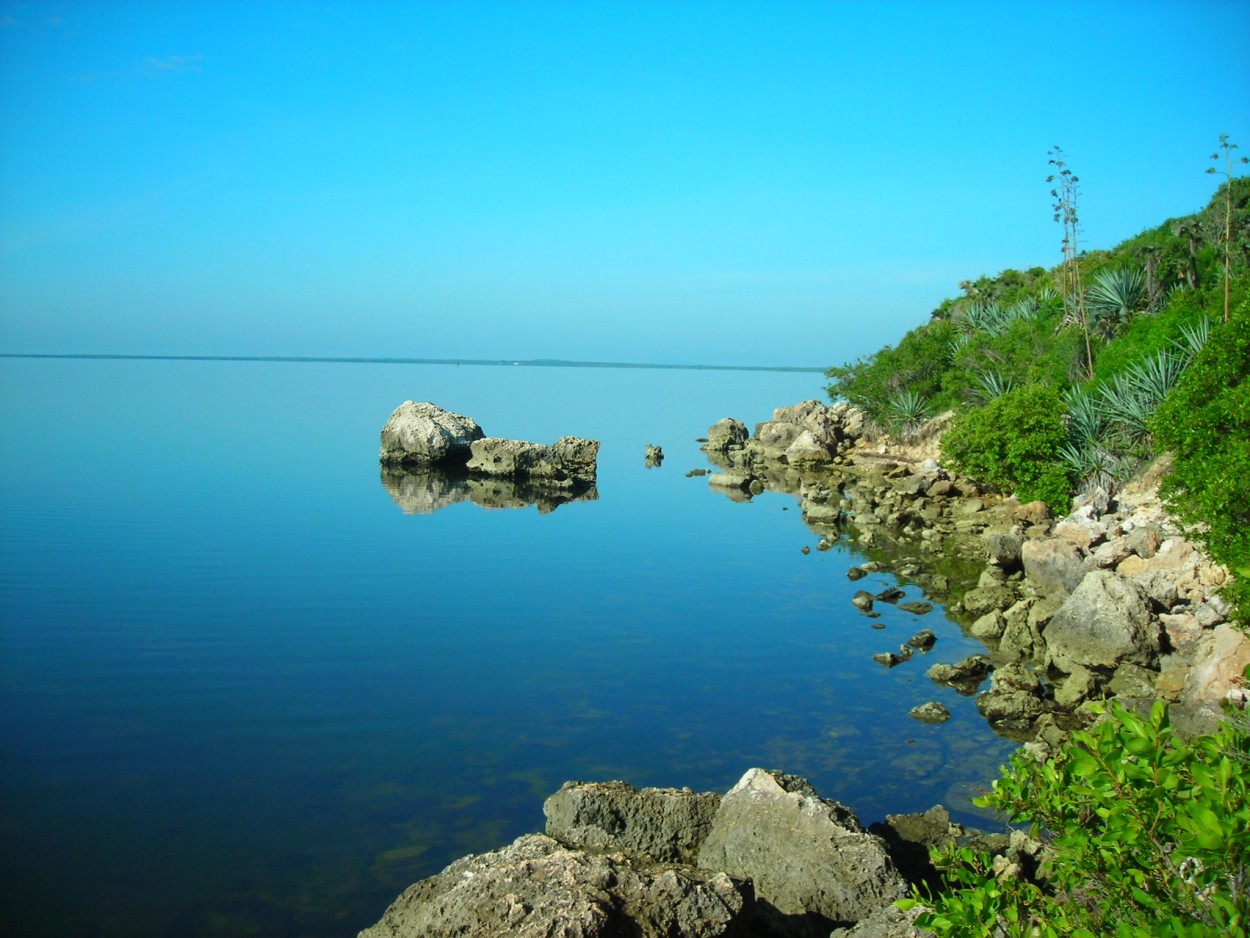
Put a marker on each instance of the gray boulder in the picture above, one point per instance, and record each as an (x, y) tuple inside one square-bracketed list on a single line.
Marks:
[(725, 435), (537, 888), (812, 863), (425, 434), (1053, 564), (1105, 622), (667, 824)]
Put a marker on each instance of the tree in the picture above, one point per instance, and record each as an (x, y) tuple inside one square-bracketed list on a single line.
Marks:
[(1065, 195), (1228, 149)]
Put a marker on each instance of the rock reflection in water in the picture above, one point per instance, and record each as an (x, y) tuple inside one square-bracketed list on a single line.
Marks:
[(424, 490)]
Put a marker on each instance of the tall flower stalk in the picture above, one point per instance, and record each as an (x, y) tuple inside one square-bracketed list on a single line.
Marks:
[(1065, 206), (1228, 149)]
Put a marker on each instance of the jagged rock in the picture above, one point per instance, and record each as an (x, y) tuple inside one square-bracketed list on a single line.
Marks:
[(811, 862), (886, 922), (567, 462), (1052, 564), (989, 626), (537, 888), (725, 435), (425, 434), (923, 640), (654, 456), (1106, 621), (667, 824), (964, 676), (1219, 662), (931, 712), (1004, 548), (1015, 696), (891, 594), (862, 600), (1076, 688), (1031, 513), (855, 573), (1132, 682), (985, 599)]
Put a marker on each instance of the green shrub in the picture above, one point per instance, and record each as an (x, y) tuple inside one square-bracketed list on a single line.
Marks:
[(1205, 422), (1013, 443), (1148, 835)]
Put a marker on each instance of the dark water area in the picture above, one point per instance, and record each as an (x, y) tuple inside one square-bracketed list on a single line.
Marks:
[(248, 685)]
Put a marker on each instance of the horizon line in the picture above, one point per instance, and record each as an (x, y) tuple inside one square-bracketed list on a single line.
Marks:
[(370, 360)]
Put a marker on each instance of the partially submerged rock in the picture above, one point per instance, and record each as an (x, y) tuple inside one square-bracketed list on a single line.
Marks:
[(537, 887), (809, 858), (770, 857), (424, 434)]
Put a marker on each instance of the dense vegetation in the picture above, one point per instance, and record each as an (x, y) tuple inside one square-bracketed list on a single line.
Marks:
[(1069, 379), (1147, 835), (1057, 392)]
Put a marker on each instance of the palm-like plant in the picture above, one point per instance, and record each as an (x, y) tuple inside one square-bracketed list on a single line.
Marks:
[(1114, 296), (991, 385), (1130, 398), (1193, 337), (906, 411)]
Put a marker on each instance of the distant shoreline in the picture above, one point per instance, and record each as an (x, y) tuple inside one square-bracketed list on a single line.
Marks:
[(528, 363)]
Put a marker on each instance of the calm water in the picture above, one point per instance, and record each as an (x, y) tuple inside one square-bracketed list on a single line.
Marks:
[(242, 691)]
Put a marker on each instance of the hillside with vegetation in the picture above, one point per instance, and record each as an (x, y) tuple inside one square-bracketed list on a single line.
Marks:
[(1073, 378)]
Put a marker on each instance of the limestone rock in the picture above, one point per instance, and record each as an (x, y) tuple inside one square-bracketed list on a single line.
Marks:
[(725, 435), (537, 888), (425, 434), (667, 824), (809, 858), (1015, 696), (931, 712), (567, 462), (1053, 564), (1106, 621)]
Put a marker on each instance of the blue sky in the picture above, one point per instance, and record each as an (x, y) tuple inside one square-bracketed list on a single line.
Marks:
[(711, 183)]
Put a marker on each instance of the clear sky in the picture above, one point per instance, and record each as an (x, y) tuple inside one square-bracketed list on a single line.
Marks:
[(713, 183)]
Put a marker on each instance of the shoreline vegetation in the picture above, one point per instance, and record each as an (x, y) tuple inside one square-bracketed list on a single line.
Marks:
[(1087, 448)]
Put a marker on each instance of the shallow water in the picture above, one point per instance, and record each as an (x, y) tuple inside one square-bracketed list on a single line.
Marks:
[(245, 691)]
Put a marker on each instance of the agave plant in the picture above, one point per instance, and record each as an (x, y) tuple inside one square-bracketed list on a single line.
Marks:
[(1087, 417), (1114, 296), (991, 385), (906, 411), (1130, 398), (1193, 337)]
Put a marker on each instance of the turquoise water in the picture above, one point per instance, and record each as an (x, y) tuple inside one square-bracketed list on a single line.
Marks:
[(243, 692)]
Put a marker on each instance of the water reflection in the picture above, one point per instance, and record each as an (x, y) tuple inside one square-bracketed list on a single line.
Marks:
[(424, 490)]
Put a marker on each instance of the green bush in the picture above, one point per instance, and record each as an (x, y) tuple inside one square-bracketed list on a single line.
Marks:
[(1148, 835), (1205, 423), (1014, 443)]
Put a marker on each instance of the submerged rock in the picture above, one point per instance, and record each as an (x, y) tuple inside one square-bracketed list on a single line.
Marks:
[(931, 712)]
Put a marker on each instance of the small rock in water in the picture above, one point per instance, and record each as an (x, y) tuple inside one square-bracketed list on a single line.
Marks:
[(862, 601), (931, 712), (855, 573), (916, 607), (891, 595), (825, 544), (923, 639), (655, 455), (806, 550), (698, 472), (887, 658)]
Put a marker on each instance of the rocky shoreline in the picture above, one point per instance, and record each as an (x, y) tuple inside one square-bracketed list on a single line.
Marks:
[(1109, 601)]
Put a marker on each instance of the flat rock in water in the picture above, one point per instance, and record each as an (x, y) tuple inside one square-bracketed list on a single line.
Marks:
[(931, 712)]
